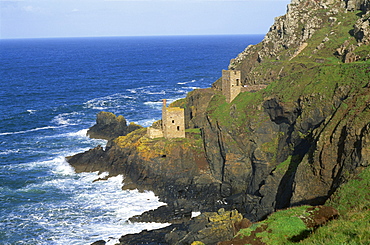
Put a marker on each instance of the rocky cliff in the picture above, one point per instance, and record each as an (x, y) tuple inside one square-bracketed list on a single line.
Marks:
[(293, 143), (297, 140)]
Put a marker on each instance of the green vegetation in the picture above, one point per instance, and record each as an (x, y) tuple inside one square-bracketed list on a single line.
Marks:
[(283, 227), (283, 166), (193, 130), (179, 103), (352, 200), (239, 112), (321, 80)]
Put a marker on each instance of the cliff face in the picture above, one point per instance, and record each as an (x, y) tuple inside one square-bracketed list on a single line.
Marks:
[(293, 143), (298, 140)]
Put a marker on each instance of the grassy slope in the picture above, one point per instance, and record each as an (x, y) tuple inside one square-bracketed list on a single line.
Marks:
[(352, 201)]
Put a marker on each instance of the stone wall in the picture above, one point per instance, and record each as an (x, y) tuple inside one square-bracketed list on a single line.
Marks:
[(154, 132), (253, 88), (172, 125), (173, 121), (231, 84)]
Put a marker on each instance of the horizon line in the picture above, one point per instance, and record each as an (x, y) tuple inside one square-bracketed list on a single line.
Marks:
[(117, 36)]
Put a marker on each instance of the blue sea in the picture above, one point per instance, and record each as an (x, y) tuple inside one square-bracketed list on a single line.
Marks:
[(50, 93)]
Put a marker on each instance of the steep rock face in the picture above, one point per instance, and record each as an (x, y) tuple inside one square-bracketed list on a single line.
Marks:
[(295, 148), (196, 104), (340, 147)]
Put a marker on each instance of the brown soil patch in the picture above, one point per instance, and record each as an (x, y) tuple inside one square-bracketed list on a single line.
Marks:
[(320, 216), (252, 239)]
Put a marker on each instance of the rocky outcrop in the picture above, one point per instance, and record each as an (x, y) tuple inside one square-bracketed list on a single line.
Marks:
[(209, 227), (109, 126), (339, 147), (172, 168)]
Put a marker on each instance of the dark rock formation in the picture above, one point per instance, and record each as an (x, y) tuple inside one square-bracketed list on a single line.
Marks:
[(109, 126), (174, 169), (209, 227), (176, 212), (100, 242)]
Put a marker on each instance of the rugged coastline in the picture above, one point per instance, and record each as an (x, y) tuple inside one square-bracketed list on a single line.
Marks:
[(293, 141)]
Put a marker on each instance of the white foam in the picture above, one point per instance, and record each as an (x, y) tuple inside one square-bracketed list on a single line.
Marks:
[(154, 104), (31, 111), (7, 152), (113, 205), (147, 122), (106, 102), (93, 211), (195, 214), (193, 88), (81, 133), (30, 130), (57, 165), (160, 92), (62, 167), (63, 119), (131, 90), (181, 83), (70, 208)]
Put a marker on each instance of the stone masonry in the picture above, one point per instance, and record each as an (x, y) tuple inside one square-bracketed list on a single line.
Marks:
[(231, 84), (173, 123)]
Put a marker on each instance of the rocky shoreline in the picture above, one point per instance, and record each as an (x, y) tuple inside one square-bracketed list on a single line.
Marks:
[(291, 143)]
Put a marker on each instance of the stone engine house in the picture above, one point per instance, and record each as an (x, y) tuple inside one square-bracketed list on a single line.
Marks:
[(231, 84), (173, 123)]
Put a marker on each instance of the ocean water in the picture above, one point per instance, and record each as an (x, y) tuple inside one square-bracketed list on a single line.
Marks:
[(50, 93)]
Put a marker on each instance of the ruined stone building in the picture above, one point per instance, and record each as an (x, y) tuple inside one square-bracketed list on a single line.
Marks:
[(154, 132), (173, 123), (231, 84)]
